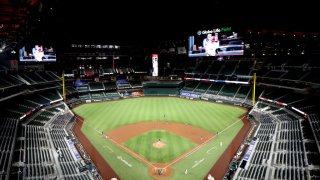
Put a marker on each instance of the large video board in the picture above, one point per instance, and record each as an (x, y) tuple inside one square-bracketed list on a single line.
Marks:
[(37, 53), (216, 42)]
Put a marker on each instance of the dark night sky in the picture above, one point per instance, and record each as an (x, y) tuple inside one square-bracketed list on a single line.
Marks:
[(136, 21)]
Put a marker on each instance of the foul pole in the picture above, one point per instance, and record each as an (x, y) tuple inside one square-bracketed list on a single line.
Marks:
[(254, 89), (63, 88)]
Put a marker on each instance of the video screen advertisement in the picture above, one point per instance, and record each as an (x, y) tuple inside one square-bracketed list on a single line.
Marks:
[(37, 53), (216, 42), (155, 69)]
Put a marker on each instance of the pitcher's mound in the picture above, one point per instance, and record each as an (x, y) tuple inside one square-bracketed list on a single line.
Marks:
[(159, 144)]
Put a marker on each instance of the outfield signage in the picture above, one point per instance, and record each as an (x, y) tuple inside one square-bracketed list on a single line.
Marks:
[(155, 65), (187, 94), (217, 80)]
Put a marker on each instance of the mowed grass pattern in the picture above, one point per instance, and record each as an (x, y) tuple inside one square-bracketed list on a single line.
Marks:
[(175, 146), (212, 117), (109, 115)]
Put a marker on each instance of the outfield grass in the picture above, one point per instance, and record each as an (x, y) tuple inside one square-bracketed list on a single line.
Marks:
[(209, 116), (109, 115), (143, 145)]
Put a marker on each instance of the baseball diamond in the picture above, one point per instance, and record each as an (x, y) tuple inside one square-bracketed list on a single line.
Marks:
[(125, 132)]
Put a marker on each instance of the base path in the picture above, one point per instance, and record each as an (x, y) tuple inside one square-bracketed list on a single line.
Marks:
[(159, 170), (194, 134)]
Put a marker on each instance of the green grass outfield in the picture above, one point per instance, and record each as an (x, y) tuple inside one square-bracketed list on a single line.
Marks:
[(212, 117), (142, 145)]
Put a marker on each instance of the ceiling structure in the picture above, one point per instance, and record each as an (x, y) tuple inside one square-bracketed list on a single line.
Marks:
[(77, 20), (18, 18)]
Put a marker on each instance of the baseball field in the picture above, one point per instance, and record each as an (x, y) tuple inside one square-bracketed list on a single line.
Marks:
[(158, 137)]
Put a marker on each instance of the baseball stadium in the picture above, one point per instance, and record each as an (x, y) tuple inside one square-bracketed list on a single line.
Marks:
[(83, 98)]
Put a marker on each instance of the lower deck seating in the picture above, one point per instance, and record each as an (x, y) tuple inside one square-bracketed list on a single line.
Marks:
[(282, 150)]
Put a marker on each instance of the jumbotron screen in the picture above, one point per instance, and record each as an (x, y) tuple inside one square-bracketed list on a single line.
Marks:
[(37, 53), (216, 42)]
